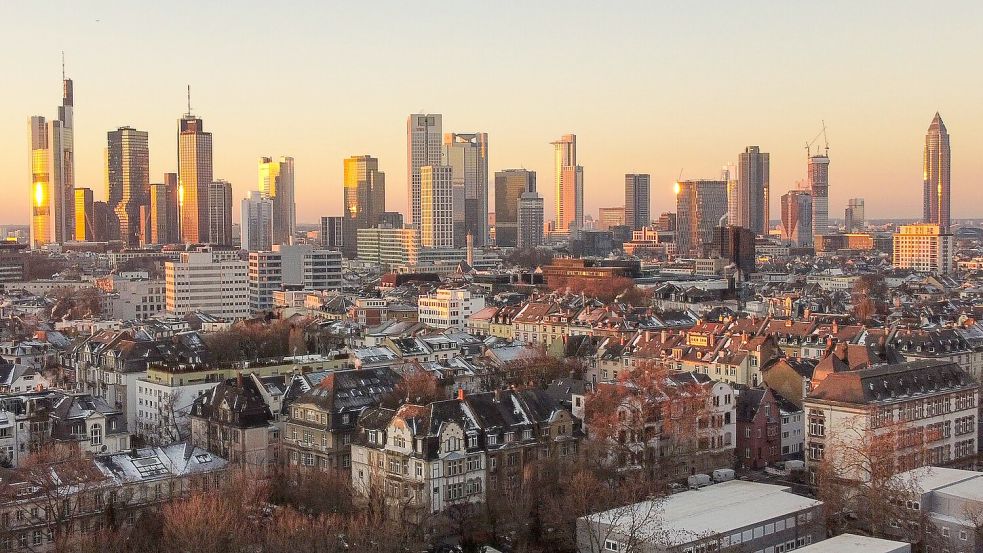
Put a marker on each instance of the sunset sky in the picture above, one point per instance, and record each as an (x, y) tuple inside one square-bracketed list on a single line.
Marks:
[(654, 87)]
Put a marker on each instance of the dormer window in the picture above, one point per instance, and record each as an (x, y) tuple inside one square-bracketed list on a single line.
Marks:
[(492, 439), (509, 437)]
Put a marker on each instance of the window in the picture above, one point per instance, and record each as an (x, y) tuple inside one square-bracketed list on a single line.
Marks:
[(95, 434), (611, 545)]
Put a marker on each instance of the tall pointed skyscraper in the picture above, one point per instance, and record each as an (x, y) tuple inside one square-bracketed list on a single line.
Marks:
[(423, 147), (569, 180), (935, 172), (194, 162), (63, 164)]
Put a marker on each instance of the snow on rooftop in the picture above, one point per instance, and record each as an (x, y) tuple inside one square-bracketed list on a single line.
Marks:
[(848, 543)]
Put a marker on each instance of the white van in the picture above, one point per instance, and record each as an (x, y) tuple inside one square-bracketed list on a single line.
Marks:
[(723, 475)]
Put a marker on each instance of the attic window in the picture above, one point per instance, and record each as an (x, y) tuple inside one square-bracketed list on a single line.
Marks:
[(203, 458)]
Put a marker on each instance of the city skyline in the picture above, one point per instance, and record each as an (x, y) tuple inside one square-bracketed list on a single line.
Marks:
[(876, 138)]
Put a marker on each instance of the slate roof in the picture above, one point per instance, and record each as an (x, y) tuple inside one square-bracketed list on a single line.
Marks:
[(894, 382)]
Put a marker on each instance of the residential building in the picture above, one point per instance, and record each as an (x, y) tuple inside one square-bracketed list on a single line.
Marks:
[(734, 515), (637, 201), (257, 222), (467, 156), (436, 220), (301, 267), (930, 406), (753, 191), (423, 147), (510, 185), (364, 199), (200, 282), (276, 182), (449, 308), (926, 248), (569, 185), (759, 426), (700, 205), (220, 213), (936, 168), (128, 180), (194, 175), (797, 218), (530, 220), (322, 422)]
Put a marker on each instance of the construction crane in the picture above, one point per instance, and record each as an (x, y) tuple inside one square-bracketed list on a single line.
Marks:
[(809, 144)]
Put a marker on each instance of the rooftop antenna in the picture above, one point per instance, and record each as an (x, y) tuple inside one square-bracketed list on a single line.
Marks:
[(62, 65), (189, 99)]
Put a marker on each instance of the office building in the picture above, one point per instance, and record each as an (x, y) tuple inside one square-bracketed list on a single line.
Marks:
[(436, 206), (333, 233), (300, 267), (220, 213), (206, 282), (448, 308), (391, 219), (926, 248), (194, 175), (102, 221), (62, 135), (276, 182), (423, 147), (42, 218), (735, 245), (256, 223), (637, 201), (127, 180), (467, 156), (510, 185), (753, 195), (608, 217), (730, 516), (530, 223), (818, 185), (83, 215), (389, 247), (700, 206), (569, 180), (853, 217), (935, 170), (365, 199), (728, 174), (165, 215), (797, 218)]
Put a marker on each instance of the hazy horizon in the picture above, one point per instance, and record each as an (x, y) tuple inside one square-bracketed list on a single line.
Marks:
[(651, 88)]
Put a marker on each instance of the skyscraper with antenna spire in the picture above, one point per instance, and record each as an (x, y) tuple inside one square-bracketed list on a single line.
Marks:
[(194, 159), (53, 172)]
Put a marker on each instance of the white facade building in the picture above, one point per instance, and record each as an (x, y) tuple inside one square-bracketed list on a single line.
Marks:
[(449, 308), (199, 282), (924, 248), (302, 266), (257, 222), (436, 206)]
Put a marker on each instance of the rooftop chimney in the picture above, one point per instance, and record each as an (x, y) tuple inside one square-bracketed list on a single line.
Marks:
[(460, 394)]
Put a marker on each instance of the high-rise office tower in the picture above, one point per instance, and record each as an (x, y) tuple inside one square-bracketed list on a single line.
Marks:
[(164, 219), (753, 195), (935, 171), (700, 206), (637, 201), (728, 174), (797, 217), (436, 206), (818, 184), (333, 233), (276, 182), (467, 155), (365, 199), (62, 136), (853, 217), (569, 179), (102, 221), (194, 160), (42, 219), (257, 222), (127, 180), (391, 219), (423, 147), (510, 185), (220, 213), (530, 220), (83, 215)]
